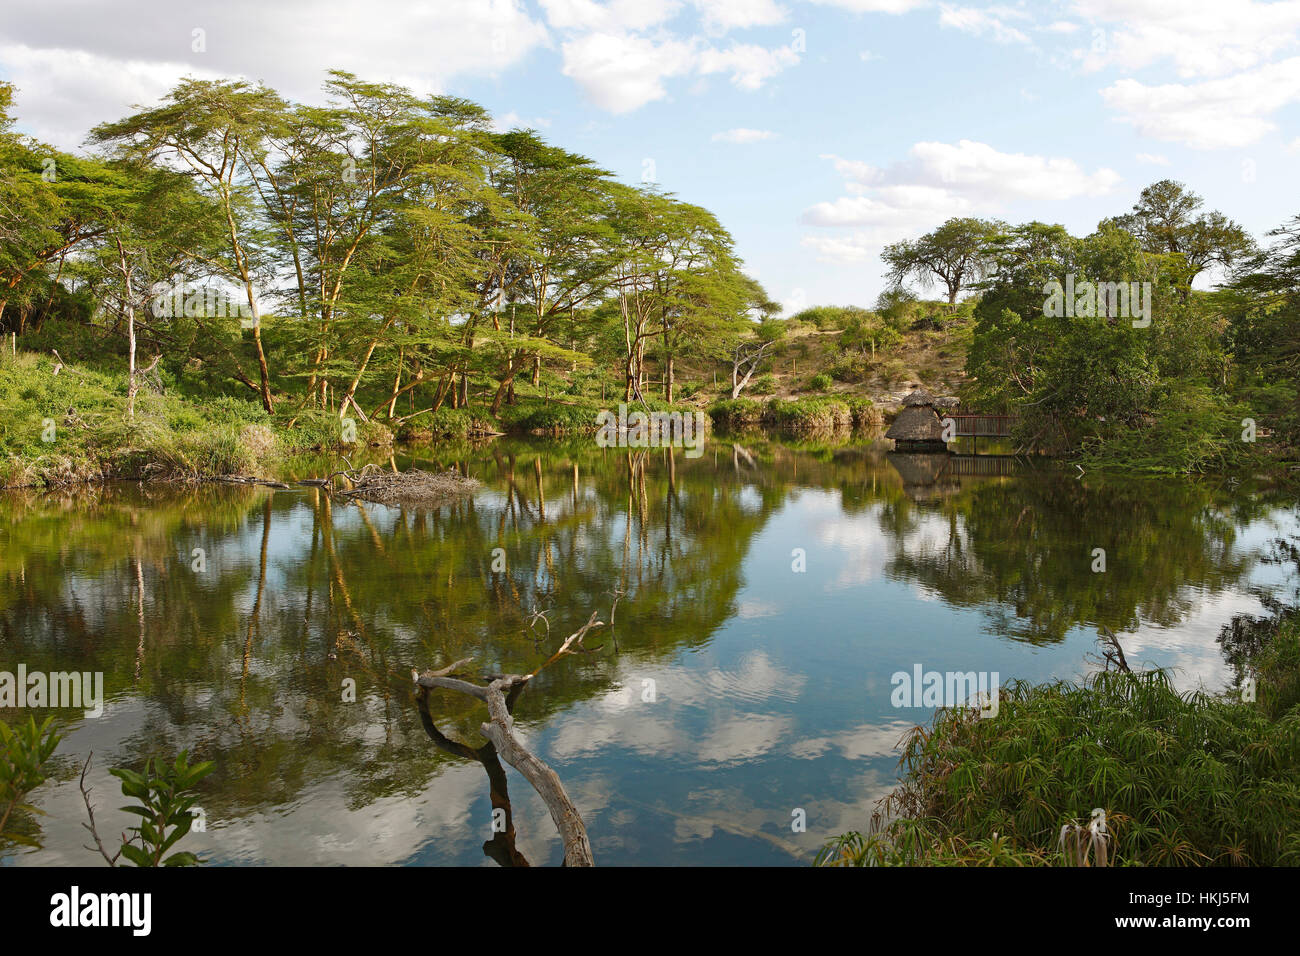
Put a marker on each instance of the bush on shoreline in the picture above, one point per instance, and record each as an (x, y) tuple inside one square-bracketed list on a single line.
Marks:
[(1183, 779), (800, 415)]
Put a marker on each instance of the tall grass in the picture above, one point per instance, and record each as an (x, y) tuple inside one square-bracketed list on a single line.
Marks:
[(1184, 779)]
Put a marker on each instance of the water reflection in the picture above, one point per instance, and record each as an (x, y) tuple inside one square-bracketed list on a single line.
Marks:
[(770, 686)]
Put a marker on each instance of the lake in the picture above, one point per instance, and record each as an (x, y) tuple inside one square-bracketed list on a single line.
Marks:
[(764, 597)]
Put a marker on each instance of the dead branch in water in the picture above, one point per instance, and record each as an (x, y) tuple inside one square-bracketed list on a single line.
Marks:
[(90, 810), (501, 847), (499, 695), (1111, 650)]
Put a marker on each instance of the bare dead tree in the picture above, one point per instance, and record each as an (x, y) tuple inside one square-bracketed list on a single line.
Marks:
[(499, 694), (746, 357)]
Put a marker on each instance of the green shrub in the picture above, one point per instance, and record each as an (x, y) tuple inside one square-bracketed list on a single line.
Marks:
[(166, 795), (553, 417), (807, 414), (865, 413), (1183, 779), (24, 752), (736, 413), (852, 368)]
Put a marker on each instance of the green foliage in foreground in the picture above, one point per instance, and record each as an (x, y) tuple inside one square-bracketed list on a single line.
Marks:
[(1184, 779), (24, 751), (166, 796)]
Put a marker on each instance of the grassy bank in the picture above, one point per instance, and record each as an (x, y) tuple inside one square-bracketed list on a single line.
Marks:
[(796, 415), (1184, 779), (69, 424), (65, 425)]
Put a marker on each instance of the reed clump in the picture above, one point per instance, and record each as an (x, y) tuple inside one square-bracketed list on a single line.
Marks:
[(1183, 779)]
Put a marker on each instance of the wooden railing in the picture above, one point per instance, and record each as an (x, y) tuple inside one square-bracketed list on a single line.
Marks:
[(983, 426)]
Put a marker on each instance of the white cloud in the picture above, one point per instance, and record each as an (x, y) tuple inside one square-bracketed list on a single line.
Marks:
[(857, 174), (622, 73), (621, 53), (742, 135), (979, 168), (75, 69), (1214, 114), (63, 93), (979, 22), (750, 66), (873, 6), (1061, 26), (616, 16), (719, 16), (1153, 159), (936, 182), (1201, 37), (896, 207)]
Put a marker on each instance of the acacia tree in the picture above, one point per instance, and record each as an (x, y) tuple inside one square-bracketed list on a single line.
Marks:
[(47, 213), (702, 293), (564, 265), (343, 194), (1164, 220), (218, 132), (153, 229), (956, 254)]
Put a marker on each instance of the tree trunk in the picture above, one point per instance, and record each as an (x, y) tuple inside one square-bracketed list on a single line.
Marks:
[(262, 370), (503, 388)]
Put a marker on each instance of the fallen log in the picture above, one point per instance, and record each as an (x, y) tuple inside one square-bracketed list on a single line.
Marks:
[(499, 694)]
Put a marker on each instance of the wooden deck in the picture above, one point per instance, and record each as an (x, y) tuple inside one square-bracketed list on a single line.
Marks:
[(974, 425)]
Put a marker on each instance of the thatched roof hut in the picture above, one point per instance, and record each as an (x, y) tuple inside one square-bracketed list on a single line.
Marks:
[(918, 427)]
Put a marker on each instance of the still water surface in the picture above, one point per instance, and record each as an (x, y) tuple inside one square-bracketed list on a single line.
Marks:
[(731, 691)]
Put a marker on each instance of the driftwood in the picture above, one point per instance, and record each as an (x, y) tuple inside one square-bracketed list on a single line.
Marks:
[(501, 847), (499, 694), (412, 487)]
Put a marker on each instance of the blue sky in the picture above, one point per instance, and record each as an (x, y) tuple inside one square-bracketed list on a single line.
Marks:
[(817, 130)]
